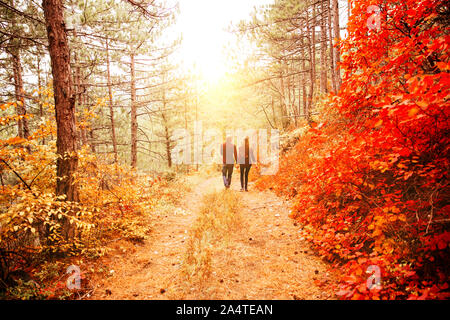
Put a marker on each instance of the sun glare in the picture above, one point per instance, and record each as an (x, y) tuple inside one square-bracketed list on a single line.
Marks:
[(206, 42)]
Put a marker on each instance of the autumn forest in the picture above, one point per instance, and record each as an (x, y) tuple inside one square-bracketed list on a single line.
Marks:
[(117, 119)]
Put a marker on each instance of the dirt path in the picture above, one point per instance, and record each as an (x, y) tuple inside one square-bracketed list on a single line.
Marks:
[(262, 259)]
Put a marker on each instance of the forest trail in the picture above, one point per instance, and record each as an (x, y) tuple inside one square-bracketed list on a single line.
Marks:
[(262, 258)]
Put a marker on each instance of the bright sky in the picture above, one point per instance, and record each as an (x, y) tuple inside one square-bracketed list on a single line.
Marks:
[(203, 24)]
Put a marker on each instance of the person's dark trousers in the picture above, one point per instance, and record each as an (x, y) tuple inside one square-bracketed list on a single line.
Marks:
[(227, 171), (245, 169)]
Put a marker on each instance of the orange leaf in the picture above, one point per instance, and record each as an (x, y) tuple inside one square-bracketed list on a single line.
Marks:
[(413, 111)]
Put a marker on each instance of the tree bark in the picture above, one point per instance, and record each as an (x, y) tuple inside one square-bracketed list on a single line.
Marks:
[(77, 94), (111, 108), (284, 118), (67, 161), (337, 54), (312, 66), (41, 108), (166, 125), (14, 50), (332, 49), (167, 140), (323, 49), (23, 130), (293, 104), (274, 115), (288, 89), (134, 124), (304, 93)]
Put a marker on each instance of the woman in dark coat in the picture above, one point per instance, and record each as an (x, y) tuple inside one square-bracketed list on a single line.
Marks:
[(245, 159)]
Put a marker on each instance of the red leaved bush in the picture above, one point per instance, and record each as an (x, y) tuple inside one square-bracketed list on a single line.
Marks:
[(370, 184)]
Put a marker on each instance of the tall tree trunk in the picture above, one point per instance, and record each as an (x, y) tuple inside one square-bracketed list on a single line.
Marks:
[(82, 137), (77, 94), (67, 162), (312, 58), (186, 123), (323, 49), (304, 93), (41, 108), (166, 125), (92, 139), (332, 49), (274, 115), (86, 101), (288, 89), (23, 130), (14, 51), (337, 54), (134, 124), (300, 87), (168, 147), (313, 44), (284, 119), (293, 105), (290, 111), (111, 108), (167, 138)]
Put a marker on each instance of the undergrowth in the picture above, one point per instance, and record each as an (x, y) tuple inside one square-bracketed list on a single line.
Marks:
[(218, 217)]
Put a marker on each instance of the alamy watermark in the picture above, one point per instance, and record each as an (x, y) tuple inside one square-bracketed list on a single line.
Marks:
[(207, 147), (74, 280), (374, 280), (374, 21)]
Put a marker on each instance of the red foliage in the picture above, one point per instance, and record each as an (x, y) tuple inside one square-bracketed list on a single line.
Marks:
[(370, 184)]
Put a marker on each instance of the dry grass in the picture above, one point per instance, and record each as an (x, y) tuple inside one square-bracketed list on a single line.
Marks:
[(218, 217)]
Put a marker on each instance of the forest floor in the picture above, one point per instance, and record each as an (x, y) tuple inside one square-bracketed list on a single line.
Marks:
[(257, 255)]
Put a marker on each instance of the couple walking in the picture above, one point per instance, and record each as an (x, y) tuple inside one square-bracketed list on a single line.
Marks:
[(244, 157)]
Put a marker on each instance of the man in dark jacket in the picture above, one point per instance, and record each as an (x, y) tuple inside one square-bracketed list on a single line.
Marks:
[(229, 156)]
